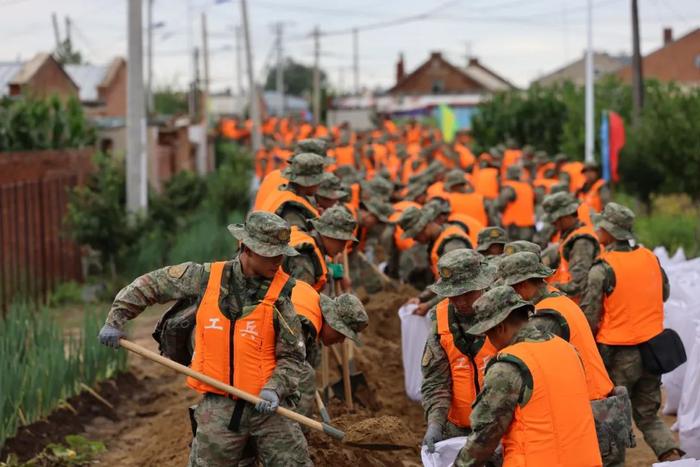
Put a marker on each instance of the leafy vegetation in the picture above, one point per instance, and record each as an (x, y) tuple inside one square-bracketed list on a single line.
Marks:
[(29, 123), (41, 366), (167, 101)]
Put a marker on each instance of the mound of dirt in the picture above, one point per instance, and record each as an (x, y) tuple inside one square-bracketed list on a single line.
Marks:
[(386, 429)]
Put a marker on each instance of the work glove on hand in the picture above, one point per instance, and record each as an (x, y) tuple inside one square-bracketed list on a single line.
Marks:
[(269, 403), (109, 336), (432, 435)]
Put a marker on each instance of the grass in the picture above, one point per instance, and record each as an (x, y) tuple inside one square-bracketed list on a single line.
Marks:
[(41, 366)]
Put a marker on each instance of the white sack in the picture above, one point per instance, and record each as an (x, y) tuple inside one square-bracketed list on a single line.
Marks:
[(680, 463), (689, 408), (445, 452), (414, 334)]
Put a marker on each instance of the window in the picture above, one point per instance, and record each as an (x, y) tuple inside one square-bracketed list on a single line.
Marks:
[(438, 86), (697, 61)]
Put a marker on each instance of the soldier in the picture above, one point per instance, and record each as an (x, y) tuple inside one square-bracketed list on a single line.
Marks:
[(578, 244), (249, 293), (330, 236), (373, 215), (559, 315), (624, 306), (595, 192), (323, 320), (313, 145), (516, 203), (463, 200), (293, 201), (453, 360), (521, 245), (534, 396), (491, 242), (445, 216), (330, 192)]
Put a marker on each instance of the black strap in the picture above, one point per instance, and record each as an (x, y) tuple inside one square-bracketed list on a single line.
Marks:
[(235, 423)]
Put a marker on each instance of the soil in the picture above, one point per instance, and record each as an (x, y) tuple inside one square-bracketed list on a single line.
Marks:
[(150, 424)]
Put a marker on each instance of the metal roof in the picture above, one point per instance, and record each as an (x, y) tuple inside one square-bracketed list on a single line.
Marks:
[(8, 70), (88, 78)]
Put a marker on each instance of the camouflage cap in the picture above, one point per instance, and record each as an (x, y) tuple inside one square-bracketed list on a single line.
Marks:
[(461, 271), (559, 205), (438, 206), (521, 245), (453, 178), (345, 314), (336, 222), (305, 169), (490, 236), (312, 145), (513, 172), (414, 220), (519, 267), (265, 233), (379, 208), (617, 220), (494, 306), (330, 187)]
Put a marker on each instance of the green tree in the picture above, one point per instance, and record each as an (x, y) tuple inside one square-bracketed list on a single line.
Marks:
[(168, 101), (298, 78)]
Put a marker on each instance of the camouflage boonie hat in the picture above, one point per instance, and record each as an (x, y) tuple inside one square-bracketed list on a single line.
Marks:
[(312, 145), (330, 187), (336, 222), (454, 177), (414, 220), (438, 206), (561, 187), (591, 166), (461, 271), (522, 266), (345, 314), (379, 208), (494, 306), (561, 158), (305, 169), (265, 233), (521, 245), (559, 205), (541, 157), (513, 172), (379, 186), (434, 168), (415, 189), (617, 220), (490, 236), (347, 174)]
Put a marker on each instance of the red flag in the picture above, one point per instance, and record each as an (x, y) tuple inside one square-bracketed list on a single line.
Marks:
[(617, 142)]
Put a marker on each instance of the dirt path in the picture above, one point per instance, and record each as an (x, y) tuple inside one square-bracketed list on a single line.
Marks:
[(153, 427)]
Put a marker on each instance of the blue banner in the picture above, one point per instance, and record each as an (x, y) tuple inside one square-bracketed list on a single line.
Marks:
[(605, 146)]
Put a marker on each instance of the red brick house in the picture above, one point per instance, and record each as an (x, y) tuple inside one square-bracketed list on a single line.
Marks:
[(102, 87), (41, 76), (677, 60)]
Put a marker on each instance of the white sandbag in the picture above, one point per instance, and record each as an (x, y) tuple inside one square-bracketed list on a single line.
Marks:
[(662, 254), (445, 452), (689, 408), (414, 333), (680, 463)]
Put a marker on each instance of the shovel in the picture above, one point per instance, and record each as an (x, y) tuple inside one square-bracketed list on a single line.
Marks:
[(308, 422), (357, 381)]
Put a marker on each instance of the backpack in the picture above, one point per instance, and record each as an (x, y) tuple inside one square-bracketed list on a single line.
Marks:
[(174, 331)]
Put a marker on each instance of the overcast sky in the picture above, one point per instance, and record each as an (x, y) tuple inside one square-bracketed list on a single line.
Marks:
[(519, 39)]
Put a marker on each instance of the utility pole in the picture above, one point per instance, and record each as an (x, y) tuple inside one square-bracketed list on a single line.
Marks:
[(253, 89), (56, 33), (279, 69), (590, 142), (637, 76), (317, 77), (202, 147), (136, 167), (239, 65), (356, 61), (68, 29), (149, 74)]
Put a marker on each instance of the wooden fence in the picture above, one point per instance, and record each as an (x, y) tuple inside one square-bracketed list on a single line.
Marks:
[(35, 253)]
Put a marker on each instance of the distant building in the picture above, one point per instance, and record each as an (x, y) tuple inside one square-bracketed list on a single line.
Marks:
[(603, 64), (227, 104), (102, 87), (41, 76), (677, 60)]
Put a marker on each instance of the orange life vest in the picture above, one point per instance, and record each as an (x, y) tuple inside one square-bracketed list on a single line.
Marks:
[(269, 184), (470, 225), (307, 303), (555, 425), (301, 241), (592, 196), (436, 190), (471, 204), (576, 178), (449, 232), (345, 155), (521, 211), (467, 370), (276, 201), (545, 183), (402, 244), (510, 157), (486, 182), (584, 214), (562, 273), (466, 156), (544, 168), (580, 336), (239, 353), (634, 312)]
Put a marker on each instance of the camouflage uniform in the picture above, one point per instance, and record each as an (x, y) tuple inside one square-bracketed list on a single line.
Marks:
[(506, 196), (582, 251), (278, 440), (331, 187), (613, 414), (335, 222), (603, 192), (362, 271), (624, 363), (461, 271), (304, 169)]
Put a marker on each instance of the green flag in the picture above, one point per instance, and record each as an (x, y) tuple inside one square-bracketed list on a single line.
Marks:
[(448, 123)]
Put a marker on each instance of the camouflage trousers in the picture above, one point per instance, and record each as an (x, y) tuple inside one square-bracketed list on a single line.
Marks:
[(624, 364), (278, 440), (613, 426), (519, 233)]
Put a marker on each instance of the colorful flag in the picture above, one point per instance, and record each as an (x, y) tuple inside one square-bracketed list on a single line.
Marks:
[(612, 140), (448, 123), (605, 146)]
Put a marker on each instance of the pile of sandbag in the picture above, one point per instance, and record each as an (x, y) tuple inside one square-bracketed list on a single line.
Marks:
[(414, 333), (682, 314)]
